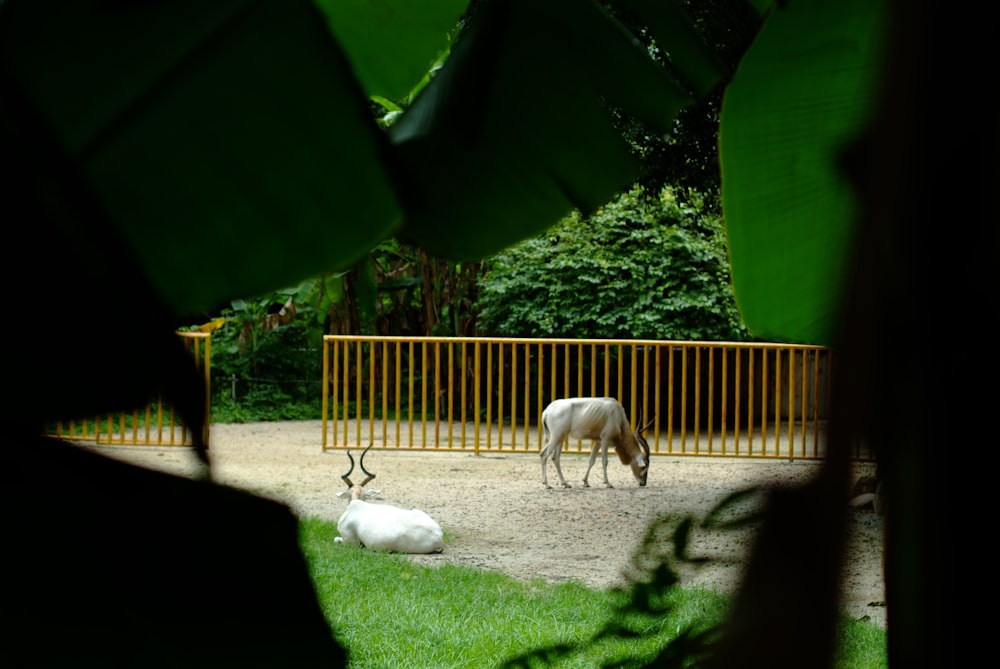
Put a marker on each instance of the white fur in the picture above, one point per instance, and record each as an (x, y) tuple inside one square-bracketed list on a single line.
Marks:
[(601, 419), (385, 527)]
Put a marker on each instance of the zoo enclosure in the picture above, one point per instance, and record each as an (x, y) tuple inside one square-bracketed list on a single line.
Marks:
[(487, 394), (156, 424)]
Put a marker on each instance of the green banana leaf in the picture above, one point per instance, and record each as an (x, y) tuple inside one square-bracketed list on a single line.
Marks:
[(229, 143), (799, 98), (392, 45), (514, 131)]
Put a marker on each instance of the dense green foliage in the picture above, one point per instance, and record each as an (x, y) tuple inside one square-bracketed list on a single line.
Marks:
[(647, 268), (266, 362), (391, 613)]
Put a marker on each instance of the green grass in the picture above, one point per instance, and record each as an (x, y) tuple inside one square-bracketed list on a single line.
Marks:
[(388, 611), (862, 646)]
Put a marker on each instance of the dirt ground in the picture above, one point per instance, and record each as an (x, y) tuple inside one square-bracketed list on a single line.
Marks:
[(496, 514)]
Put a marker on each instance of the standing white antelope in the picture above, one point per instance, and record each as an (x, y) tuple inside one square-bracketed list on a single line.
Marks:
[(383, 526), (601, 419)]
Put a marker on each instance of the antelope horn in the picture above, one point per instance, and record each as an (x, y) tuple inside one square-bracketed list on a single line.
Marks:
[(368, 475), (645, 448), (347, 476), (647, 425), (639, 427)]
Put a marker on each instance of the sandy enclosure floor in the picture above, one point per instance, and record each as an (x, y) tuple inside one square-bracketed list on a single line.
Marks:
[(497, 515)]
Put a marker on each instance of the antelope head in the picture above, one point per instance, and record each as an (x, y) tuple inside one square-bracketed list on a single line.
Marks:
[(356, 490), (641, 472)]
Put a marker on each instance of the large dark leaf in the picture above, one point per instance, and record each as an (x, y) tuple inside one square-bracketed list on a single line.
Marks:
[(800, 96), (229, 142), (393, 44), (514, 131)]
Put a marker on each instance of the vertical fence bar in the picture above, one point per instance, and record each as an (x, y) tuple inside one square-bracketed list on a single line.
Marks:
[(810, 405), (553, 364), (411, 390), (501, 405), (815, 417), (371, 393), (580, 388), (751, 407), (764, 396), (358, 396), (645, 385), (777, 401), (437, 394), (423, 393), (527, 396), (172, 424), (697, 398), (397, 387), (476, 395), (724, 401), (159, 422), (621, 371), (451, 399), (335, 400), (384, 385), (823, 364), (633, 366), (711, 396), (656, 398), (736, 400), (541, 400), (465, 385), (324, 391), (489, 397), (345, 384), (607, 371), (513, 396), (790, 421), (463, 392), (670, 398), (684, 398), (803, 404), (593, 370)]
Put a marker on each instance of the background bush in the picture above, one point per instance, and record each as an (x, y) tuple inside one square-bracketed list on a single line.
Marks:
[(640, 267), (267, 361)]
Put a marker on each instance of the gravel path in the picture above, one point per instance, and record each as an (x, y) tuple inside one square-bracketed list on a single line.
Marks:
[(497, 515)]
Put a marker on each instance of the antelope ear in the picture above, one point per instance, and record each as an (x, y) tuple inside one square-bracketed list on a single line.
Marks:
[(372, 493), (343, 493)]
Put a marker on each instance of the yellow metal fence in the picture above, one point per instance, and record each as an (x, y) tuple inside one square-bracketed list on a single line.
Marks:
[(487, 394), (157, 424)]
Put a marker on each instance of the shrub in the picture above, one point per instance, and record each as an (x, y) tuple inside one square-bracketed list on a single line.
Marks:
[(640, 267)]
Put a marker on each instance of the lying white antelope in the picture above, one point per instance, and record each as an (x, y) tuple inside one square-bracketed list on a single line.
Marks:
[(601, 419), (383, 526)]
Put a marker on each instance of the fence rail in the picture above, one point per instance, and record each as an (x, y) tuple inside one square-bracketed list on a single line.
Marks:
[(156, 424), (487, 394)]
